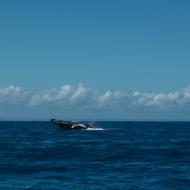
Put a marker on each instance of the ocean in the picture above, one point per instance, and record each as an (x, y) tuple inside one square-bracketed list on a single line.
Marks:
[(123, 155)]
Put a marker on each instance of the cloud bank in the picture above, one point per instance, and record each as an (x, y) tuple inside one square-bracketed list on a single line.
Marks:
[(82, 102)]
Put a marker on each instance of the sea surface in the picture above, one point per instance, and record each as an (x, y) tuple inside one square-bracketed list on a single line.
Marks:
[(124, 155)]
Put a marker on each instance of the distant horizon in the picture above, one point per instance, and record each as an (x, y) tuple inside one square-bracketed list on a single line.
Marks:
[(84, 120), (83, 102)]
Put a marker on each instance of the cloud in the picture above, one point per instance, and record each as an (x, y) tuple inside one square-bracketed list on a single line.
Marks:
[(155, 100), (73, 100), (51, 96), (77, 96), (163, 99), (12, 94), (111, 98), (78, 93)]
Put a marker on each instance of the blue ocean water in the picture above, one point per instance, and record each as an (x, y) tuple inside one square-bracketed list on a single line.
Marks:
[(125, 155)]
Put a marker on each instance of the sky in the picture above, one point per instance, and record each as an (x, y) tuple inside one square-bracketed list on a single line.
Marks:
[(95, 60)]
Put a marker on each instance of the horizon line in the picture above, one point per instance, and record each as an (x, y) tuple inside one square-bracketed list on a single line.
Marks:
[(96, 120)]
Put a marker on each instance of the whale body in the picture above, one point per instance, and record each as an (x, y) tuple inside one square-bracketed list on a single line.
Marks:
[(72, 125)]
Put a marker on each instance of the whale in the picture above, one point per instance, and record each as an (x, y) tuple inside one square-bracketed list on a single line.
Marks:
[(71, 125)]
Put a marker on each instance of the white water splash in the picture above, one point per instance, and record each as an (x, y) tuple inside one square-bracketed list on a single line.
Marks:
[(94, 129)]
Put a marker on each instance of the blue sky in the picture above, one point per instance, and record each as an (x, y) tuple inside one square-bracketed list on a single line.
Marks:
[(105, 45)]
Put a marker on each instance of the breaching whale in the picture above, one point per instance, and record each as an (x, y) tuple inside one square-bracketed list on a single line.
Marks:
[(71, 124)]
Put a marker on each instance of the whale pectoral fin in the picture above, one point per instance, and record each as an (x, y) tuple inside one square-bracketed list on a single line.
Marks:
[(79, 126)]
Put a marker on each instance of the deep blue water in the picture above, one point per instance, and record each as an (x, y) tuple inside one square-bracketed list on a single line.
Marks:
[(126, 155)]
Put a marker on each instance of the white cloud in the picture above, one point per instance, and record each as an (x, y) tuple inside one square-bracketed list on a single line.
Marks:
[(51, 96), (70, 98), (186, 95), (71, 95), (150, 99), (12, 94), (78, 93), (110, 97)]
